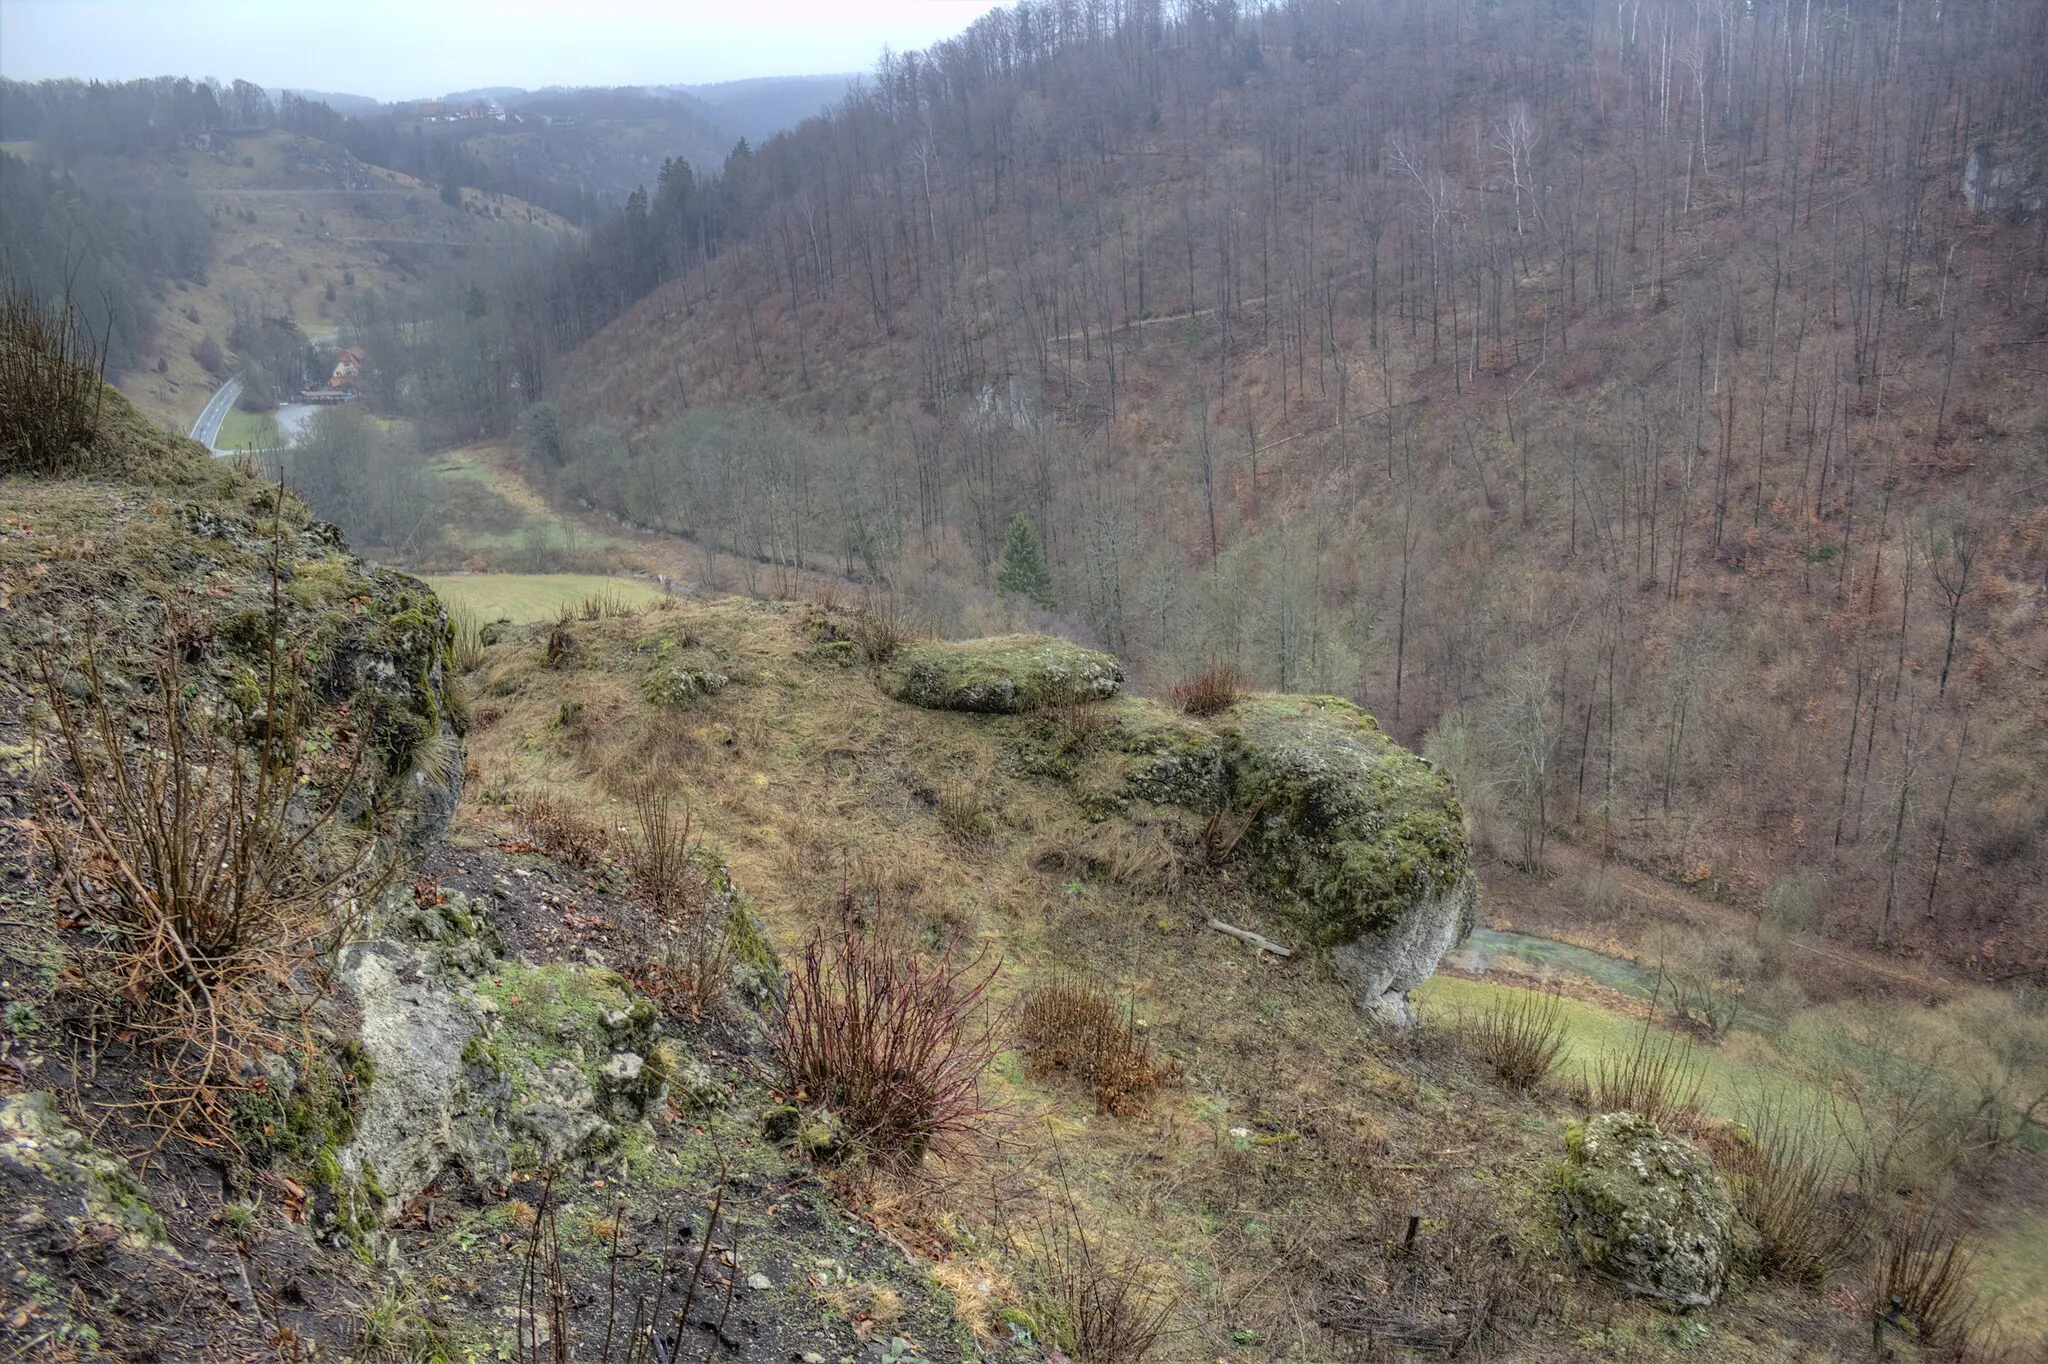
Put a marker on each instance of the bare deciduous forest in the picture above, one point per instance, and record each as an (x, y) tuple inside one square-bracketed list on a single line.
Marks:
[(1642, 402)]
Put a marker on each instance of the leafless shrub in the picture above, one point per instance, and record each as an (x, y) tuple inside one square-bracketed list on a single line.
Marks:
[(1098, 1305), (1923, 1281), (1521, 1037), (1072, 1027), (555, 827), (210, 893), (467, 650), (664, 873), (1434, 1281), (1209, 692), (895, 1046), (1790, 1185), (1659, 1078), (50, 389), (608, 604), (880, 627)]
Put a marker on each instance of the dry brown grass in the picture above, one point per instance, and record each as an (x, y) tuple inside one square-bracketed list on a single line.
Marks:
[(1209, 692), (1071, 1027)]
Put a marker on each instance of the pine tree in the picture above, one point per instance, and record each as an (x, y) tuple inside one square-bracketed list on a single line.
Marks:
[(1022, 569)]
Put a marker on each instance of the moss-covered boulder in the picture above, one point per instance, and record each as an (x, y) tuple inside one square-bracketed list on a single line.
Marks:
[(1008, 675), (1363, 841), (1647, 1211), (1170, 759)]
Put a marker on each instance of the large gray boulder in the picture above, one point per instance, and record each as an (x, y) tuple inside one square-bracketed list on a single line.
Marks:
[(1362, 840), (1647, 1211)]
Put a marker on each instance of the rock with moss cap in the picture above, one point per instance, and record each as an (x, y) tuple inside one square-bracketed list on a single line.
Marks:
[(1008, 675), (1647, 1211), (1364, 841)]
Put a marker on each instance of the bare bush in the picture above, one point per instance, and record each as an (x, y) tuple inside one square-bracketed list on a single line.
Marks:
[(50, 382), (1069, 1026), (664, 873), (880, 627), (1521, 1037), (211, 891), (1435, 1281), (1789, 1183), (1659, 1078), (556, 828), (1923, 1281), (1098, 1305), (894, 1045), (1210, 692)]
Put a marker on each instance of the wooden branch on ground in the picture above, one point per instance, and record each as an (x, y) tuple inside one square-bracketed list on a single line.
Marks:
[(1264, 944)]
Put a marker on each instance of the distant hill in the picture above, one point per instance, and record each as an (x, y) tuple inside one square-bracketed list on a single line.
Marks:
[(759, 109), (341, 103)]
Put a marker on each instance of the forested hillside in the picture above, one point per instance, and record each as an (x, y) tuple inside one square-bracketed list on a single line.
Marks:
[(1637, 405)]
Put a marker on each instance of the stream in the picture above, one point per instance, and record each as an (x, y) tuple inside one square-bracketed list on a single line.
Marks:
[(1484, 946)]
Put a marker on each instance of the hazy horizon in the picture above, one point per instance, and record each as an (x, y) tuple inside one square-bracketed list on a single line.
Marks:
[(392, 51)]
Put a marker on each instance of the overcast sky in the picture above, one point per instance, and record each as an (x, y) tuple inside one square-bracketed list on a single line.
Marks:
[(402, 49)]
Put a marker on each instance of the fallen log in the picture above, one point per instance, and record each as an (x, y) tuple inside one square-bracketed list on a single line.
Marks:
[(1245, 935)]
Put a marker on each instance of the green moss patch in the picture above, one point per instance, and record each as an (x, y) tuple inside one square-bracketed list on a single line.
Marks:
[(1348, 826), (1008, 675)]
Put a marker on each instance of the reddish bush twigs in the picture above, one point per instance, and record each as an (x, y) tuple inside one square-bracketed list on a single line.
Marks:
[(894, 1045)]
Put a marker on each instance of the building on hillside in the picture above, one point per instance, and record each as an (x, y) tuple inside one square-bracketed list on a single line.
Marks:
[(347, 368)]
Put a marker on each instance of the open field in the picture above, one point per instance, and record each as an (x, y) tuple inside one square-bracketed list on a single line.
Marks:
[(241, 430), (527, 597)]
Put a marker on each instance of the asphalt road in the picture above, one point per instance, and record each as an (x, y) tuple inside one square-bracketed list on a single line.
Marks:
[(207, 429)]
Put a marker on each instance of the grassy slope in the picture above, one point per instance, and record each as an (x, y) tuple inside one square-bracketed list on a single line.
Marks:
[(306, 236), (1294, 1124)]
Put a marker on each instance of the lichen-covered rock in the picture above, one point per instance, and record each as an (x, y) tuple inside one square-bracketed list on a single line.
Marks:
[(1647, 1211), (1008, 675), (434, 1099), (1364, 840), (41, 1155)]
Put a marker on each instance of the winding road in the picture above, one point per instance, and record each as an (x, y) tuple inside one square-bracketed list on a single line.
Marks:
[(207, 429)]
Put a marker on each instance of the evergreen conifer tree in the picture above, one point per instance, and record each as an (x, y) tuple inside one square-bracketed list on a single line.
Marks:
[(1022, 569)]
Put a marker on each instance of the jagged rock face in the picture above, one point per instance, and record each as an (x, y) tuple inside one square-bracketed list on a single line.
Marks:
[(1647, 1211), (2005, 179), (1009, 675), (1365, 841)]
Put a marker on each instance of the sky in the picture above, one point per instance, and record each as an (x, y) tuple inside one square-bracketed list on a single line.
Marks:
[(408, 49)]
